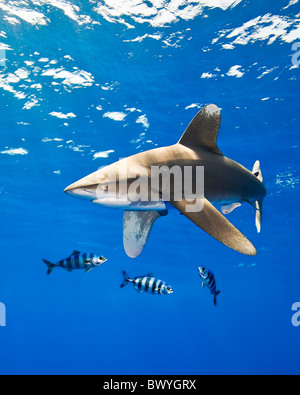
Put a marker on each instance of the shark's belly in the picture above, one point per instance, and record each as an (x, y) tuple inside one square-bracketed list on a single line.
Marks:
[(134, 206)]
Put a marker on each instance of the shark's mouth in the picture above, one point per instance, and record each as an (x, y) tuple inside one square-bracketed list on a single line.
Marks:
[(83, 193)]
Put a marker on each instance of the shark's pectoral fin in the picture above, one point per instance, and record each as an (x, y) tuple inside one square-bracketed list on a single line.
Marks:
[(137, 226), (203, 131), (214, 223)]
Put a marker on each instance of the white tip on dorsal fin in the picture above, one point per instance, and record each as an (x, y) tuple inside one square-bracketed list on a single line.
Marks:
[(137, 226), (203, 131)]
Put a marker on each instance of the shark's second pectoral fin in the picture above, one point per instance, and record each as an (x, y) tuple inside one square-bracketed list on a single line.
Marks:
[(137, 226), (214, 223)]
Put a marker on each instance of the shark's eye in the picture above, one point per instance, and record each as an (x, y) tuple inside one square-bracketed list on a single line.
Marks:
[(105, 188)]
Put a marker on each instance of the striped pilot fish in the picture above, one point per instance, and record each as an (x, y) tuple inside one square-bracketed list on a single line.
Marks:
[(77, 260), (209, 281), (148, 283)]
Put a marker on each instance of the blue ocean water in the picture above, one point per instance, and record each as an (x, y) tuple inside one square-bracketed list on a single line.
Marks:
[(84, 83)]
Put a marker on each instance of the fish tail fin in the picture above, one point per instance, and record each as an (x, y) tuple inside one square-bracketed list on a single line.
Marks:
[(258, 204), (215, 297), (50, 265), (125, 280)]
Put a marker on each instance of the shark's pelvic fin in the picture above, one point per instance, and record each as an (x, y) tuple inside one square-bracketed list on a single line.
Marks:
[(258, 204), (228, 208), (203, 131), (215, 224), (137, 226)]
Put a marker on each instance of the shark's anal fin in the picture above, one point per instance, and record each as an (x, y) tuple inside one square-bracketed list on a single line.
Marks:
[(137, 226), (203, 131), (214, 223)]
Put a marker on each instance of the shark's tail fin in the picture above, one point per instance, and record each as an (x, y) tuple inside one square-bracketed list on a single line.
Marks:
[(258, 204), (126, 279), (215, 297), (256, 171), (50, 265)]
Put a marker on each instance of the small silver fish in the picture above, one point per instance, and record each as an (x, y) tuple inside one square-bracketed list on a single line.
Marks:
[(148, 284), (77, 260)]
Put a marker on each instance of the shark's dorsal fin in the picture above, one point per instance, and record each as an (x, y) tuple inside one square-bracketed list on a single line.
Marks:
[(214, 223), (75, 253), (203, 131), (137, 226)]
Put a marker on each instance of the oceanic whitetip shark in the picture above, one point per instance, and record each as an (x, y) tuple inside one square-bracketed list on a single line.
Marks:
[(225, 182)]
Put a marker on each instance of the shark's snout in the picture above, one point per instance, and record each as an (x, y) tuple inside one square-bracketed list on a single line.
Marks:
[(68, 189), (81, 184)]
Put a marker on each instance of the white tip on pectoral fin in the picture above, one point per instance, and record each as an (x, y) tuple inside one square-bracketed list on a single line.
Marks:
[(137, 226)]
